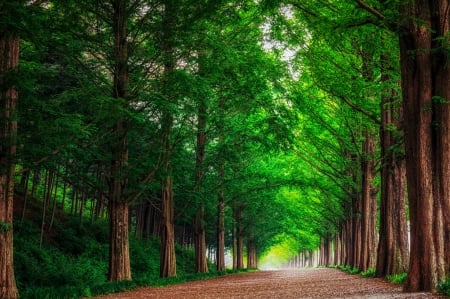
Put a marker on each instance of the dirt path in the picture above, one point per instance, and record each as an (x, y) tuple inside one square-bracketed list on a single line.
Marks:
[(311, 283)]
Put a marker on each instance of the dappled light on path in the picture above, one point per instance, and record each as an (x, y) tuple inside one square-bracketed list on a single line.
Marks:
[(304, 283)]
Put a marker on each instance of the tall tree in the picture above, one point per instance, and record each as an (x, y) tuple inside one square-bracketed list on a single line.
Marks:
[(168, 259), (393, 252), (119, 256), (424, 39), (199, 223), (9, 61)]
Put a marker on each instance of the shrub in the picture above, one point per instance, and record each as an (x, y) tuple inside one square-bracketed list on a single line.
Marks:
[(399, 278), (444, 287), (369, 273)]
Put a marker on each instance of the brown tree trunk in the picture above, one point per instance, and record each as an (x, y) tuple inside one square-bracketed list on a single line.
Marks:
[(368, 206), (425, 79), (356, 229), (119, 253), (238, 252), (201, 265), (119, 258), (168, 259), (252, 257), (9, 60), (441, 83), (26, 178), (221, 197), (220, 257), (393, 251)]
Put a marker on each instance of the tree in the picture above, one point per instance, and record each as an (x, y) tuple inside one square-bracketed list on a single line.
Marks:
[(393, 253), (9, 61), (424, 40), (168, 259), (119, 256)]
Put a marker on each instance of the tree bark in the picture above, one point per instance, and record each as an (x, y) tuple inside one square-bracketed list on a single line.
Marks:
[(441, 71), (239, 238), (393, 251), (221, 225), (201, 266), (9, 60), (119, 254), (252, 257), (119, 258), (368, 206), (425, 79), (168, 258), (220, 258)]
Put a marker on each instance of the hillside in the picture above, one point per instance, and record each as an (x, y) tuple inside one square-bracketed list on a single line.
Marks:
[(73, 259)]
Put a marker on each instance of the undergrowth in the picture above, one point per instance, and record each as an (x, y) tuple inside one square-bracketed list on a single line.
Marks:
[(397, 278), (444, 287), (348, 269), (73, 261), (369, 273)]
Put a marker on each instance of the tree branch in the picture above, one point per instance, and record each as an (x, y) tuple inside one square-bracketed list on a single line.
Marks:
[(371, 116), (370, 9)]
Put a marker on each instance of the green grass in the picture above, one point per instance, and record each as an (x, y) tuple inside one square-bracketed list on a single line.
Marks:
[(348, 269), (397, 278), (369, 273)]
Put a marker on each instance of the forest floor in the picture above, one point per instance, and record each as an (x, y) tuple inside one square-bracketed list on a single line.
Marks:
[(304, 283)]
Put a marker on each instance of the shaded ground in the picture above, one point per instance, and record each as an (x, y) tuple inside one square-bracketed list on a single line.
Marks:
[(309, 283)]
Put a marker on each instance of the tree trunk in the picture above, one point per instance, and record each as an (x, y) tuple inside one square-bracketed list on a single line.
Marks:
[(201, 265), (26, 178), (425, 77), (119, 258), (356, 228), (9, 60), (252, 257), (238, 253), (393, 251), (368, 205), (119, 253), (441, 72), (220, 257), (168, 259)]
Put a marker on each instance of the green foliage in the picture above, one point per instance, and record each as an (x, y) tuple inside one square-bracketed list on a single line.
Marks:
[(369, 273), (73, 262), (444, 287), (348, 269), (4, 227), (397, 278)]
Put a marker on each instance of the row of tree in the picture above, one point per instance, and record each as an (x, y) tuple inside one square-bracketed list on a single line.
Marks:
[(387, 61), (190, 114), (165, 114)]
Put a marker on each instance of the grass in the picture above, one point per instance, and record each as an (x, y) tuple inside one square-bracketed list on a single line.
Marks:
[(397, 278), (348, 269), (369, 273)]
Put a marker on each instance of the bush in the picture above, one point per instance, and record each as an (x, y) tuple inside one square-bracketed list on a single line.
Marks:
[(397, 278), (348, 269), (444, 287), (369, 273), (73, 261)]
